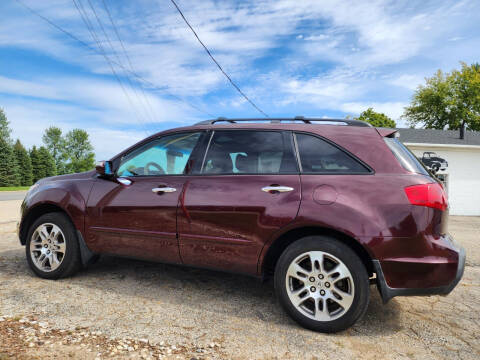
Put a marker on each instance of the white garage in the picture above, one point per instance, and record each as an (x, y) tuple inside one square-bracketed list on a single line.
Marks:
[(461, 172)]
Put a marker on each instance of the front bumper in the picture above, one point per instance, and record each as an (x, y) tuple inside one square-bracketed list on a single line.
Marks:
[(388, 292)]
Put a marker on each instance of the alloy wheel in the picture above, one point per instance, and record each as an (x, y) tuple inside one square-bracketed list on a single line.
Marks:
[(320, 286), (47, 247)]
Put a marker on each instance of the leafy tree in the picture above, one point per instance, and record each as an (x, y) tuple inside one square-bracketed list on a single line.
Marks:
[(466, 90), (24, 164), (55, 143), (79, 151), (38, 167), (9, 172), (376, 119), (5, 130), (47, 160), (448, 100)]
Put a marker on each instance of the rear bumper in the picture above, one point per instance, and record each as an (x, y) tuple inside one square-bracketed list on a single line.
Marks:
[(388, 292)]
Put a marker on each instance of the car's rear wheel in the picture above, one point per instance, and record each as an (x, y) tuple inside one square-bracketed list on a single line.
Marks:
[(322, 284), (52, 247)]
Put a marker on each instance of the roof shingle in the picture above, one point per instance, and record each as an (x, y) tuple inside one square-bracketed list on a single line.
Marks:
[(432, 136)]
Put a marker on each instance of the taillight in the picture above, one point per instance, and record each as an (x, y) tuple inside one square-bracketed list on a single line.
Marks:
[(430, 195)]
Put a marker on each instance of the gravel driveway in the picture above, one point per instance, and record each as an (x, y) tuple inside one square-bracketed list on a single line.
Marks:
[(126, 308)]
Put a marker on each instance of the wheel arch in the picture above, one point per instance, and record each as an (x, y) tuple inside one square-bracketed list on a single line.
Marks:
[(34, 213), (276, 248)]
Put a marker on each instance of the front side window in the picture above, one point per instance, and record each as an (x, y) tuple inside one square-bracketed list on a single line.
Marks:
[(249, 152), (320, 156), (167, 155)]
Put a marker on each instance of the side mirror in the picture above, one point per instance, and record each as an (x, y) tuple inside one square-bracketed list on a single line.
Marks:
[(104, 168)]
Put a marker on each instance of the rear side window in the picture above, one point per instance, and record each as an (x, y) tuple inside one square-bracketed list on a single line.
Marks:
[(320, 156), (406, 158), (249, 152)]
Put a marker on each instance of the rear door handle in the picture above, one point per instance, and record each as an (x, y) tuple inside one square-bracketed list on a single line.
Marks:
[(277, 188), (164, 190)]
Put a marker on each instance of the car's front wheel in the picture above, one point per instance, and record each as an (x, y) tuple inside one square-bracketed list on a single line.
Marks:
[(52, 247), (322, 284)]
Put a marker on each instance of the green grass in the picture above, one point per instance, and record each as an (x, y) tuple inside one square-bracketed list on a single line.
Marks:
[(13, 188)]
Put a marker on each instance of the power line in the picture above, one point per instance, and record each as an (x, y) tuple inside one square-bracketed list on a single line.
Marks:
[(125, 51), (91, 48), (216, 62), (83, 14), (150, 117)]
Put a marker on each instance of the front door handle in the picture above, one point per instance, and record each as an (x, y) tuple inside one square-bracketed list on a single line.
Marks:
[(277, 188), (164, 190), (124, 181)]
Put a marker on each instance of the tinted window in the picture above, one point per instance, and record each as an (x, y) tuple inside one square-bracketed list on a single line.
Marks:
[(249, 152), (319, 156), (167, 155), (405, 156)]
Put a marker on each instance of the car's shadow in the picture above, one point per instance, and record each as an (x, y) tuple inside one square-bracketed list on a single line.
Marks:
[(206, 290)]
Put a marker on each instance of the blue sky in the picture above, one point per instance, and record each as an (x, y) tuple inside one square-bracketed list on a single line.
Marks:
[(313, 58)]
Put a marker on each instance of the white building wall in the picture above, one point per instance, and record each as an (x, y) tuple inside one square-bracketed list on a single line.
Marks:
[(463, 176)]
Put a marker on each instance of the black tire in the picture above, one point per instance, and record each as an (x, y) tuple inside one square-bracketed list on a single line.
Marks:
[(342, 252), (71, 261)]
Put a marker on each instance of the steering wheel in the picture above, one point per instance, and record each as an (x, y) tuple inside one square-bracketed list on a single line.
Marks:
[(154, 164)]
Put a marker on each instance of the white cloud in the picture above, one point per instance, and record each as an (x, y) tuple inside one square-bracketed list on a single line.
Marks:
[(97, 106), (408, 81), (383, 32), (319, 37), (105, 96), (27, 88), (309, 56), (109, 142), (353, 33), (320, 89), (30, 118)]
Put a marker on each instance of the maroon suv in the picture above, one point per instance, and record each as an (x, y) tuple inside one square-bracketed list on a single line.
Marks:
[(326, 206)]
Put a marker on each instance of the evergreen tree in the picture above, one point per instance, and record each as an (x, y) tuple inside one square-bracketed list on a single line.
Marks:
[(9, 172), (24, 163), (47, 161), (5, 128), (38, 167)]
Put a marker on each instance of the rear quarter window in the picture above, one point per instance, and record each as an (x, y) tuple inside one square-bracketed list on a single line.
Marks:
[(405, 157), (318, 156)]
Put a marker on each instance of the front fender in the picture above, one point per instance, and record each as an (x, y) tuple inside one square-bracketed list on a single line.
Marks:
[(68, 196)]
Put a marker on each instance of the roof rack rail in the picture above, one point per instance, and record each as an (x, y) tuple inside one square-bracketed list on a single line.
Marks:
[(347, 122)]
